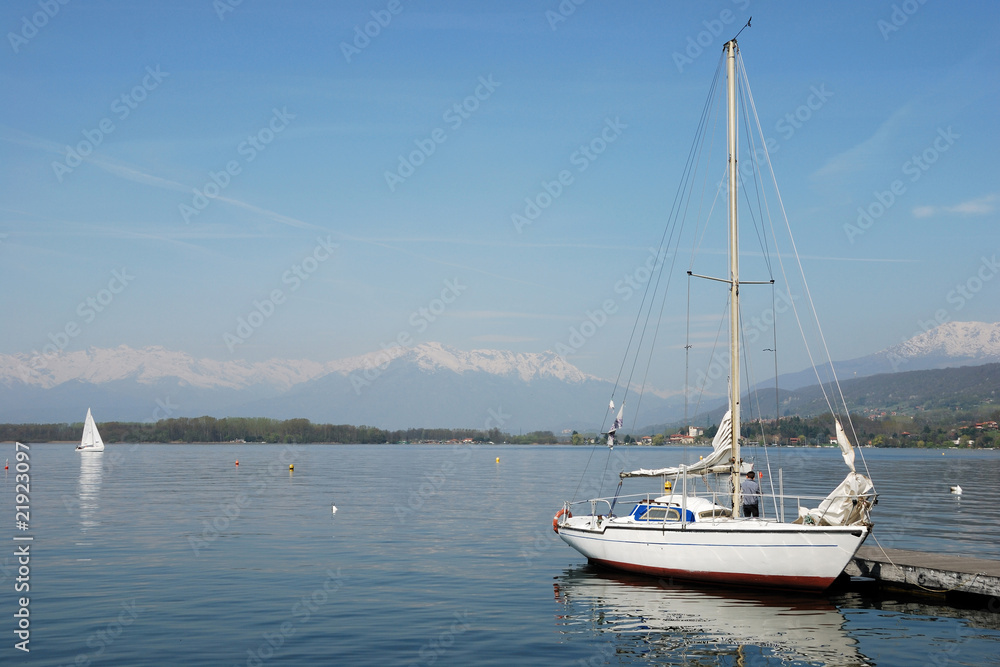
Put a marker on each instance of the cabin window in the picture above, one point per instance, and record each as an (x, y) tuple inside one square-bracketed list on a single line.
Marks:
[(716, 513), (645, 513)]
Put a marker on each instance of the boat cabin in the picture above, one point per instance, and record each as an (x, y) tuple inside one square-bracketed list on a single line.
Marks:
[(669, 508), (657, 512)]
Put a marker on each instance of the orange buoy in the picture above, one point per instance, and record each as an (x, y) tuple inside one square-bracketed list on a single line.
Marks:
[(237, 461), (555, 519)]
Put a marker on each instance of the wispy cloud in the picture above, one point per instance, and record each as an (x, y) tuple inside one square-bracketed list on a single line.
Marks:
[(887, 260), (981, 206), (498, 338), (507, 315), (861, 156), (435, 260), (436, 240), (129, 172)]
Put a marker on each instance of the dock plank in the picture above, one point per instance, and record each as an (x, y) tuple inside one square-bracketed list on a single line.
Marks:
[(928, 572)]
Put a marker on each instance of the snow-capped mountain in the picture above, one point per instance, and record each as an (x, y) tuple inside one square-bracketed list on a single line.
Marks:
[(435, 356), (951, 344), (152, 364), (428, 385), (945, 346)]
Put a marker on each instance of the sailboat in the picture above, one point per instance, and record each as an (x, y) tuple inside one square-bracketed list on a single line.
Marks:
[(687, 536), (91, 440)]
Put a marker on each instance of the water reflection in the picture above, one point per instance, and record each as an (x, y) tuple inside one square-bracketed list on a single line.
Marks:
[(658, 621), (91, 471)]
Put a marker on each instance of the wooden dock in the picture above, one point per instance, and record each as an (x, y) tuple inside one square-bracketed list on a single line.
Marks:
[(927, 573)]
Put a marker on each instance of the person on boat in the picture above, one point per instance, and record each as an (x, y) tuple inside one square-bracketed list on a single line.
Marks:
[(750, 492)]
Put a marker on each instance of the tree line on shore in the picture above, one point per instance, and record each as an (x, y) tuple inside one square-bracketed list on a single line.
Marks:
[(258, 429), (971, 429)]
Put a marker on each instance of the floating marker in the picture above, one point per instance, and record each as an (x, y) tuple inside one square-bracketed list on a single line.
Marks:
[(237, 461), (334, 509), (498, 459), (291, 466)]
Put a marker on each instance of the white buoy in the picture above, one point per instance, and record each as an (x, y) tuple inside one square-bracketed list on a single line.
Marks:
[(957, 490), (334, 509)]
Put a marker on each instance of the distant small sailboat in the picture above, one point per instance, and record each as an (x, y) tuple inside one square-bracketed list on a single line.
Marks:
[(957, 490), (91, 440)]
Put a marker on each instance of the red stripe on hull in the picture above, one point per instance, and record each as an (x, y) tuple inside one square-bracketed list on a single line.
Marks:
[(817, 584)]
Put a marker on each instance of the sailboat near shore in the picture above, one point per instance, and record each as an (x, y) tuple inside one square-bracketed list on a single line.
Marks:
[(91, 440), (702, 537)]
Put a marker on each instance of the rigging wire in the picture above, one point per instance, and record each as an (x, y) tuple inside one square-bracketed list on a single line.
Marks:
[(805, 284), (673, 226), (671, 237)]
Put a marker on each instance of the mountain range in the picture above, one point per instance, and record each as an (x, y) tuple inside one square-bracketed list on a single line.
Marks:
[(424, 385), (945, 346), (430, 384)]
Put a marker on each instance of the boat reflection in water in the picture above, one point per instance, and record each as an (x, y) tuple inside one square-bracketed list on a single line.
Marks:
[(91, 471), (656, 620)]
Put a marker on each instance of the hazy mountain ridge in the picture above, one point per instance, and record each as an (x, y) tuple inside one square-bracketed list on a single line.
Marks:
[(151, 364), (424, 385), (909, 392), (948, 345)]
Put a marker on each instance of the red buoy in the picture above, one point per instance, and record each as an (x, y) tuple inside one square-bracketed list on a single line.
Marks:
[(237, 461)]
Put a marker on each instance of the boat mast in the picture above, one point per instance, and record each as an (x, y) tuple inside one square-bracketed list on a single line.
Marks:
[(734, 270)]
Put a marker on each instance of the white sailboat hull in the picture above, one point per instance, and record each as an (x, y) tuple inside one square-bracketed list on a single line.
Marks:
[(744, 552)]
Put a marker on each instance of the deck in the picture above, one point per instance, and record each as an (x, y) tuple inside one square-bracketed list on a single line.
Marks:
[(927, 573)]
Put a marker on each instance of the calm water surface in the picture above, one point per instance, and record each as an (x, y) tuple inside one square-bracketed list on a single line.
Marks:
[(440, 555)]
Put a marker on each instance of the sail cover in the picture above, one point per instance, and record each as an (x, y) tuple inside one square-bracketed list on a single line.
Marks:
[(847, 505), (716, 462)]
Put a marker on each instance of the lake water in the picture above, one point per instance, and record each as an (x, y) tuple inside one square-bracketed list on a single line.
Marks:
[(440, 555)]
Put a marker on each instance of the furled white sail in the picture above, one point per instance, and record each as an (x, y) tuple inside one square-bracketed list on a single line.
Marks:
[(845, 446), (716, 462), (847, 505)]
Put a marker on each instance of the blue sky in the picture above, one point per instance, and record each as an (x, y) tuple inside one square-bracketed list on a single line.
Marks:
[(292, 133)]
